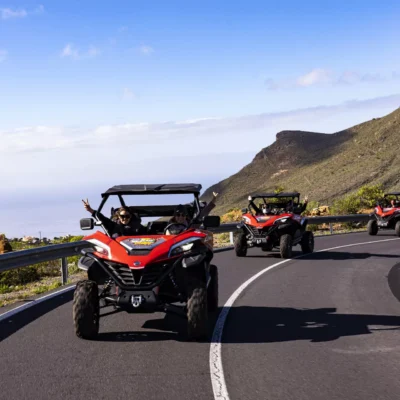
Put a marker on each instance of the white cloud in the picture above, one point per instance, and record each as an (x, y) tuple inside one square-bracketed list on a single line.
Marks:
[(43, 159), (71, 51), (123, 29), (128, 94), (9, 13), (3, 55), (316, 76), (146, 50), (225, 133), (320, 76)]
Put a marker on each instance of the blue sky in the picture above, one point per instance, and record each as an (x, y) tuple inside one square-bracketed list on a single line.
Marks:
[(140, 81)]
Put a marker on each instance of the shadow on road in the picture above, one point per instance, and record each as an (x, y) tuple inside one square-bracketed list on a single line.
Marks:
[(268, 325)]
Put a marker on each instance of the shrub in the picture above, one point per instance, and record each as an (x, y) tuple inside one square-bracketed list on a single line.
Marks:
[(370, 194), (350, 204), (19, 276), (233, 215)]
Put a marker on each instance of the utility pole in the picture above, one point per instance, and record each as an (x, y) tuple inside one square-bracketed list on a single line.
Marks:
[(40, 236)]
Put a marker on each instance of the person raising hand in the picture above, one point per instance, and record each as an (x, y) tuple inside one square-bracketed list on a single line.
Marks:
[(126, 225)]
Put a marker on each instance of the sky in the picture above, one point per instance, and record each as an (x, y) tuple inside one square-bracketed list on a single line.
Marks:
[(94, 94)]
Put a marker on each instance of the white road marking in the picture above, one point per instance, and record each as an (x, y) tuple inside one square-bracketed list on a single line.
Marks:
[(220, 389)]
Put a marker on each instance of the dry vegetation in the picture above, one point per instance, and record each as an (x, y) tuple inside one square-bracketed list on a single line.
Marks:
[(326, 167)]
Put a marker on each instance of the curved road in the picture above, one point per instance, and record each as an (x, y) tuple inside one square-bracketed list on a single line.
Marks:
[(323, 326)]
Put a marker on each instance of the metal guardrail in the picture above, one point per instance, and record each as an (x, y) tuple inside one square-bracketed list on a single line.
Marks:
[(338, 218), (23, 258)]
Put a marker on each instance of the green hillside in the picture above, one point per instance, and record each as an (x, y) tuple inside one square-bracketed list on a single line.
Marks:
[(323, 166)]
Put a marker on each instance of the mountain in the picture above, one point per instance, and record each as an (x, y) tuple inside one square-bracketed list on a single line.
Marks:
[(323, 166)]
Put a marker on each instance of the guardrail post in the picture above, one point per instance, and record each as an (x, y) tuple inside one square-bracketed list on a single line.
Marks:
[(64, 271), (231, 237), (331, 228)]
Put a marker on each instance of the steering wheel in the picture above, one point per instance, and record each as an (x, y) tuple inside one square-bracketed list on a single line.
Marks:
[(179, 229)]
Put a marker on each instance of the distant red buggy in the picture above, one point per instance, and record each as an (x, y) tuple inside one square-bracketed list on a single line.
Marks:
[(386, 215), (274, 223)]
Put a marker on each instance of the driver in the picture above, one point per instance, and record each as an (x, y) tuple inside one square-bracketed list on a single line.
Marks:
[(180, 217), (266, 209), (126, 225), (394, 203)]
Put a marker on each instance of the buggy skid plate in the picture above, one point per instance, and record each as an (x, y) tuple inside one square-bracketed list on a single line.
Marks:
[(383, 224), (258, 240), (137, 299)]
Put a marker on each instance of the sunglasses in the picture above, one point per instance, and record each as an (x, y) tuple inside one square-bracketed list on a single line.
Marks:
[(124, 216)]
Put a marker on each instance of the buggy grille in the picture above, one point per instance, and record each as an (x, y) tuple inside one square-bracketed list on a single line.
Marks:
[(138, 277), (254, 231)]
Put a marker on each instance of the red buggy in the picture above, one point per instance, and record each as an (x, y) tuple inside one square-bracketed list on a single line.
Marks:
[(152, 271)]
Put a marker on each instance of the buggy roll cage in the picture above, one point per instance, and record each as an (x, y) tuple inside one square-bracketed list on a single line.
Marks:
[(155, 189), (294, 196), (385, 199)]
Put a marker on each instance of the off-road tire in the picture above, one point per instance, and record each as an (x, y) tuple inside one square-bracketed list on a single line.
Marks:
[(86, 309), (241, 245), (397, 228), (285, 246), (307, 242), (212, 290), (372, 227), (197, 310)]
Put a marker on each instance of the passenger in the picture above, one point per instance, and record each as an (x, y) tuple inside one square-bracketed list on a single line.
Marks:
[(300, 208), (180, 217), (395, 203), (126, 225)]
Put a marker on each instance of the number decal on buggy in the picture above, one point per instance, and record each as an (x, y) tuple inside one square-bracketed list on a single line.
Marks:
[(143, 241)]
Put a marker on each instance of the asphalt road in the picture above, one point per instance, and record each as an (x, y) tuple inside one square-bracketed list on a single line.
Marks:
[(325, 326)]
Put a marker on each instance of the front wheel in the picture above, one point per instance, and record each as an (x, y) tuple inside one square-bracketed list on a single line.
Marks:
[(397, 228), (86, 309), (197, 310), (241, 244), (285, 246), (307, 242), (372, 227)]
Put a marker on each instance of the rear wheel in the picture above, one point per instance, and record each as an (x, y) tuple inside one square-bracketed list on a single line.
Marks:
[(397, 228), (372, 227), (86, 309), (241, 245), (197, 310), (212, 290), (307, 242), (285, 246)]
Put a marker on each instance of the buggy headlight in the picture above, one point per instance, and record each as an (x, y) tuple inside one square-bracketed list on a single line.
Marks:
[(101, 250), (100, 247), (183, 246)]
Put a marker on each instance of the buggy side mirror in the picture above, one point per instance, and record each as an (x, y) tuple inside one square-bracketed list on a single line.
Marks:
[(245, 210), (87, 224), (212, 221)]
